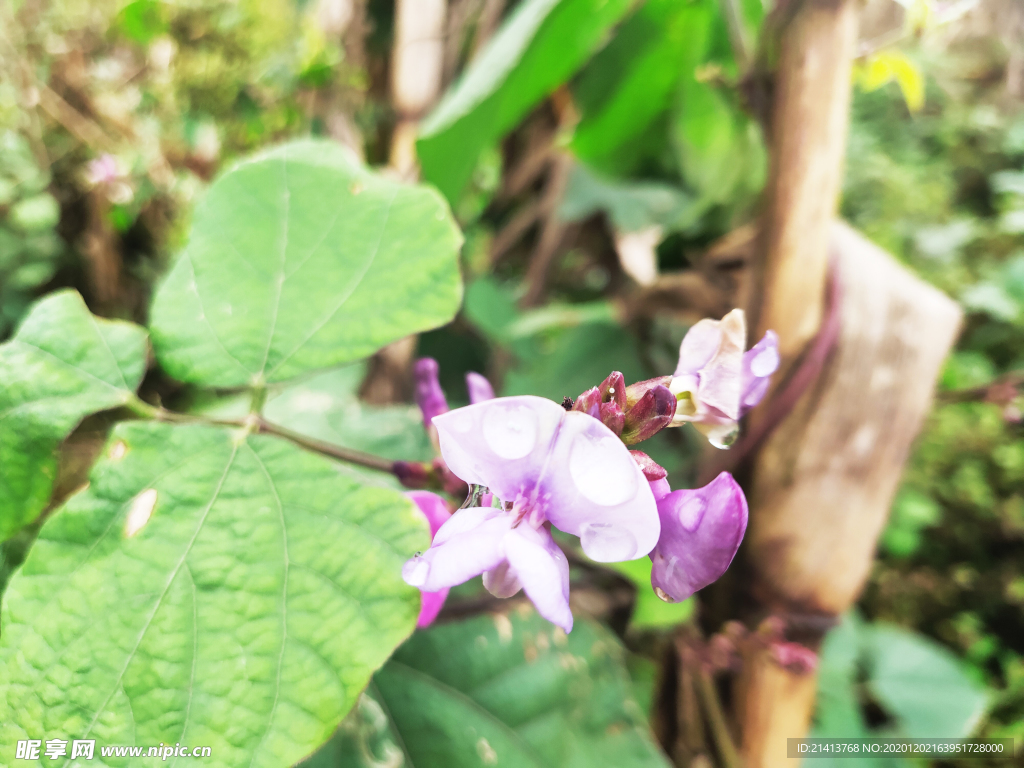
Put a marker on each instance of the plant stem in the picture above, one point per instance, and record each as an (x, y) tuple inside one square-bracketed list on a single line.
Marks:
[(350, 455), (727, 751), (261, 426)]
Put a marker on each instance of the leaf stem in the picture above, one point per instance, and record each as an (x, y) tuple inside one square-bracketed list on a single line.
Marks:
[(261, 426), (350, 455)]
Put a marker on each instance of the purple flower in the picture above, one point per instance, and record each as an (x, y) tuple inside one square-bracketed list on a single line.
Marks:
[(716, 382), (701, 530), (436, 511), (429, 395), (554, 465), (545, 465), (480, 388), (511, 557), (759, 363)]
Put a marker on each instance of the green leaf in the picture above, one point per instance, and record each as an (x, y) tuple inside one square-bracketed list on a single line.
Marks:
[(541, 45), (575, 360), (632, 81), (512, 690), (631, 206), (210, 589), (650, 611), (62, 365), (300, 259), (923, 685), (720, 150)]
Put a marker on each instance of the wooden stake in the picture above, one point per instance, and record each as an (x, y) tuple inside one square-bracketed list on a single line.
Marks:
[(824, 479), (807, 130)]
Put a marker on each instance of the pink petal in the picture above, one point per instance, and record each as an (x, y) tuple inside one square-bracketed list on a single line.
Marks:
[(431, 604), (436, 511), (701, 532), (433, 507), (480, 389), (543, 570)]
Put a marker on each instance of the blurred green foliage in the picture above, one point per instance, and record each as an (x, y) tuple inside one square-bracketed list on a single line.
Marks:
[(941, 190), (30, 249)]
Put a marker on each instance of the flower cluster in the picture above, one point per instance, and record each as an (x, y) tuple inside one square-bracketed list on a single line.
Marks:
[(533, 465)]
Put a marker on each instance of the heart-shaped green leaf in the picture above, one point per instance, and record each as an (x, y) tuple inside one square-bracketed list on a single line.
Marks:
[(61, 365), (301, 259), (208, 589), (507, 690)]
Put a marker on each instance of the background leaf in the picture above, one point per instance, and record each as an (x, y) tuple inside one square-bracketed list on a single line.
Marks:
[(512, 690), (208, 589), (539, 47), (923, 685), (301, 259), (632, 81), (62, 365)]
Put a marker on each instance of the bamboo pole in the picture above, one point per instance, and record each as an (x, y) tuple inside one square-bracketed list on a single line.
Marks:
[(822, 483)]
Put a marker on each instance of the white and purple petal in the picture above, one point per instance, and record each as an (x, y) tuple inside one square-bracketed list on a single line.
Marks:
[(598, 492), (543, 570), (459, 551), (502, 444)]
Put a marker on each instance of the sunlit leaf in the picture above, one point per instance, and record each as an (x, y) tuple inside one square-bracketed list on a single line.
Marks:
[(301, 259), (62, 365), (208, 589)]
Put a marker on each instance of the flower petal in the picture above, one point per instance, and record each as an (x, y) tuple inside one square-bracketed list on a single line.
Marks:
[(480, 389), (721, 380), (502, 581), (699, 345), (431, 604), (595, 490), (433, 508), (701, 529), (543, 570), (460, 552), (759, 363), (502, 443), (429, 395)]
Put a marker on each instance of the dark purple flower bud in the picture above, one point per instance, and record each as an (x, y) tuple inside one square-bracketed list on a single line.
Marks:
[(759, 363), (451, 484), (652, 470), (635, 392), (612, 416), (429, 395), (613, 390), (652, 413), (480, 388), (701, 530), (413, 474), (589, 402)]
